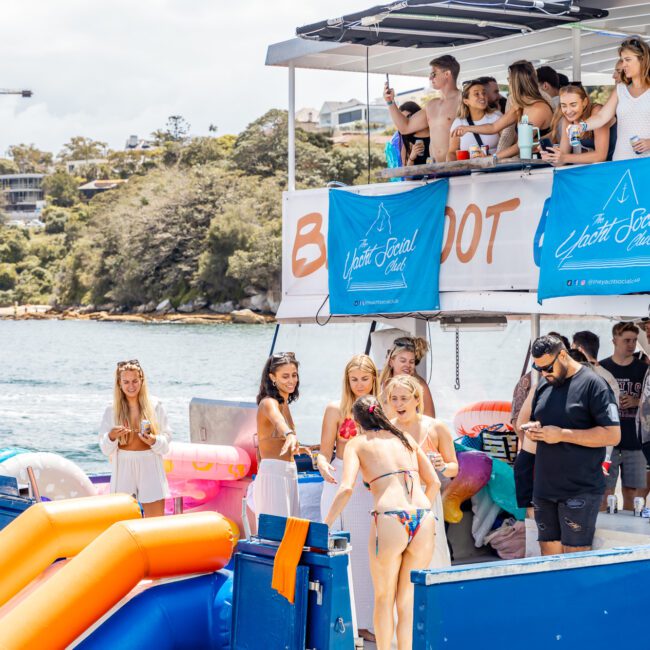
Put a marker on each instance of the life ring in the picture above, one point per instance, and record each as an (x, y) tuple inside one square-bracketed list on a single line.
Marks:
[(190, 460), (56, 476), (473, 418)]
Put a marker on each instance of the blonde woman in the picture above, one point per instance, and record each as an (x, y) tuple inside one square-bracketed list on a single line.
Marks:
[(402, 359), (134, 433), (404, 395), (359, 379), (526, 99)]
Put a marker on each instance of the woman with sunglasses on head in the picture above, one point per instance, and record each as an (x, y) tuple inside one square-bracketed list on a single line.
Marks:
[(526, 100), (359, 379), (134, 433), (404, 395), (402, 359), (629, 103), (275, 490), (595, 146), (473, 109), (403, 485)]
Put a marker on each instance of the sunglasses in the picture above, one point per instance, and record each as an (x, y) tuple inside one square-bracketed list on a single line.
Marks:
[(549, 368), (279, 356), (131, 362), (472, 82)]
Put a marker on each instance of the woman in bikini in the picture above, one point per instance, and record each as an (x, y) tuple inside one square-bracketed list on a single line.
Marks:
[(402, 525), (526, 99), (402, 359), (275, 490), (359, 379), (434, 438)]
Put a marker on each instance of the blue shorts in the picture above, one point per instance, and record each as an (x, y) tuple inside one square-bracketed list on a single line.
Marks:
[(571, 521)]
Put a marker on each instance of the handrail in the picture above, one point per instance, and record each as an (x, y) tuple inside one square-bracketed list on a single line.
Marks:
[(107, 569), (54, 529)]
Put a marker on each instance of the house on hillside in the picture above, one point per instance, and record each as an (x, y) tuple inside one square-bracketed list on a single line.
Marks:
[(346, 115), (23, 197)]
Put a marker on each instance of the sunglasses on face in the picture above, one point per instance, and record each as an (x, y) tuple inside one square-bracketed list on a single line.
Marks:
[(549, 367)]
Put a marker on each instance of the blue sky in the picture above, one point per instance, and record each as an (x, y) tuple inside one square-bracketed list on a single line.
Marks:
[(109, 70)]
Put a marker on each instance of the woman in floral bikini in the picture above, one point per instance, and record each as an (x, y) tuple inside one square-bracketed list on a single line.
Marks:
[(359, 379)]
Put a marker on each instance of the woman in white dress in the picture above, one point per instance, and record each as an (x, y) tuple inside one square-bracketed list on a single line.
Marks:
[(629, 103), (359, 379), (434, 438)]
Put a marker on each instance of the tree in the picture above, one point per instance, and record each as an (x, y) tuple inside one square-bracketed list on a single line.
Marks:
[(14, 244), (8, 166), (29, 159), (176, 130), (81, 148), (62, 189)]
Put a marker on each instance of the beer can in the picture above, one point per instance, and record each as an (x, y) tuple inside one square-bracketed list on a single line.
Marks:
[(612, 504), (145, 427), (639, 505), (475, 151), (485, 150), (633, 140), (574, 135)]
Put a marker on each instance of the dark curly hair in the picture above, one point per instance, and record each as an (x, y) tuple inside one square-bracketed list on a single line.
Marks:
[(267, 387), (368, 413)]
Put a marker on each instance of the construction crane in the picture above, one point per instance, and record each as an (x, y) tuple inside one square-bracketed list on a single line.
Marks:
[(22, 93)]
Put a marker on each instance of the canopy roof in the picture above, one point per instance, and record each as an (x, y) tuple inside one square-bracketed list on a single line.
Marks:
[(486, 48), (422, 23)]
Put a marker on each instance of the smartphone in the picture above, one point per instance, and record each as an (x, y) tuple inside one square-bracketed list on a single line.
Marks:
[(387, 81), (546, 145)]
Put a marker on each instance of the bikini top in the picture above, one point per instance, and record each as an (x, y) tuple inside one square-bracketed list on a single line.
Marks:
[(408, 477), (348, 429)]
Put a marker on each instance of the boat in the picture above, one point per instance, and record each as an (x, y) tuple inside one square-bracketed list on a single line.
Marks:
[(186, 581)]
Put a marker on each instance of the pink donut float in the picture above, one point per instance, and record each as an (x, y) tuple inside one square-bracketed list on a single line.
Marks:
[(188, 460), (194, 491), (473, 418)]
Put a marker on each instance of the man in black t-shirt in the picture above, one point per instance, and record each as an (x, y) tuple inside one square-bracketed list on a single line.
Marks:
[(627, 456), (572, 416)]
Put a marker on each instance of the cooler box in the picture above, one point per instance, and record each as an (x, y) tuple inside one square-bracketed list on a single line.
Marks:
[(320, 617), (11, 503)]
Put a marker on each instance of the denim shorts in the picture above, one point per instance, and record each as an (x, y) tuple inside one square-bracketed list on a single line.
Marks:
[(571, 521)]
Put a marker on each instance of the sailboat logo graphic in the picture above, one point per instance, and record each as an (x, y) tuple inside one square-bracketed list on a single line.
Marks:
[(369, 277), (610, 239)]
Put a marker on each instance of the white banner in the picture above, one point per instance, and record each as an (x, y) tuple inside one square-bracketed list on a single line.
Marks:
[(490, 224)]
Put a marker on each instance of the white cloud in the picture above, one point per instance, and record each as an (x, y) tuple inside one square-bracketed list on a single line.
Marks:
[(108, 70)]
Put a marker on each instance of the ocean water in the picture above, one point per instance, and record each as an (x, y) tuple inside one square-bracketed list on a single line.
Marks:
[(56, 377)]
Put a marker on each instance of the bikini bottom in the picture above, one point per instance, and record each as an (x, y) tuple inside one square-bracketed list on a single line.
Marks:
[(410, 519)]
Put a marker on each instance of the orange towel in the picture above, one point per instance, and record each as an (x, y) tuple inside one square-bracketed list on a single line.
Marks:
[(288, 556)]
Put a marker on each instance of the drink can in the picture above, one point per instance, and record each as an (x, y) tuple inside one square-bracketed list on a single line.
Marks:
[(574, 135), (314, 458), (475, 151), (485, 150), (633, 140), (612, 504), (145, 427), (639, 505)]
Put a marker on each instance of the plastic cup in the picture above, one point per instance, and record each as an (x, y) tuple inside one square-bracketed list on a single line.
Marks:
[(462, 154)]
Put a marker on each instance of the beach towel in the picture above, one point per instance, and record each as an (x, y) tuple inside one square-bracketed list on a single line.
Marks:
[(288, 556)]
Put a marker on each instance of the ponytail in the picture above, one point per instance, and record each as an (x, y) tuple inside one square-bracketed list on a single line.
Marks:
[(368, 413)]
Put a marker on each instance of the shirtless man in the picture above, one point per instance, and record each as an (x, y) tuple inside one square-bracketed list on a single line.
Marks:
[(438, 114)]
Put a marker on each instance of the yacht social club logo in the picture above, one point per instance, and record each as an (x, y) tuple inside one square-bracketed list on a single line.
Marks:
[(384, 251), (597, 238)]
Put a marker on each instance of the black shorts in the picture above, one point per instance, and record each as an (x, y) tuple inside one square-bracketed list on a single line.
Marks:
[(571, 521), (524, 469)]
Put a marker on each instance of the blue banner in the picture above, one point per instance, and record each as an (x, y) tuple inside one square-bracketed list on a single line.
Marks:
[(597, 235), (384, 251)]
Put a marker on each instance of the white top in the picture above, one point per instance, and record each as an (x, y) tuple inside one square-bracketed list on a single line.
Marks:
[(163, 437), (632, 118), (468, 140)]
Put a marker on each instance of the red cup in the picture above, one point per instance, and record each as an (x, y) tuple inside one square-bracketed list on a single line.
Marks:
[(462, 154)]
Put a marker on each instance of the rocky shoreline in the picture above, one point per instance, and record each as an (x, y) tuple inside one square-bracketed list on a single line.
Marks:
[(46, 312)]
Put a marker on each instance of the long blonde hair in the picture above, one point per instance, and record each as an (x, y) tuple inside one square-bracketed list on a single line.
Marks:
[(120, 403), (408, 383), (524, 86), (640, 49), (415, 344), (558, 115), (357, 362)]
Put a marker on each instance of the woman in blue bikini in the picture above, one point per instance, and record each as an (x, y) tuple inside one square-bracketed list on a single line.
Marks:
[(395, 470)]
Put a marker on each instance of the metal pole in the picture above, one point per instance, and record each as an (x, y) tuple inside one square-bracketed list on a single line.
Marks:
[(576, 50), (292, 129), (36, 495), (534, 333)]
